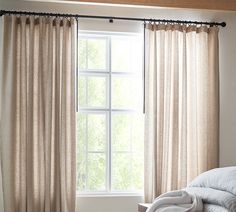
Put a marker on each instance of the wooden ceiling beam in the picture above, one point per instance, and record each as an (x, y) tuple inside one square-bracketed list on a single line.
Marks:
[(229, 5)]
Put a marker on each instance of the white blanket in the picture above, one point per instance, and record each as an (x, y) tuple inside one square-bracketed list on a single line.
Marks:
[(215, 197), (216, 187), (221, 179), (178, 201), (214, 208), (212, 191)]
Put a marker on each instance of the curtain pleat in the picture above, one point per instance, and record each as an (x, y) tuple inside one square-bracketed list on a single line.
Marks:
[(182, 105), (38, 114)]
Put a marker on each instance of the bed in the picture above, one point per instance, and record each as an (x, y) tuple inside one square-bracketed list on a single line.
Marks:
[(212, 191)]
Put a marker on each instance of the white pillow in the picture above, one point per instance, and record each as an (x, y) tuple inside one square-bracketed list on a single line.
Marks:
[(221, 178)]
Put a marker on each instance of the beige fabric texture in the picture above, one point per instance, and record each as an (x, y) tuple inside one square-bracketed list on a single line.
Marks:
[(182, 105), (37, 102)]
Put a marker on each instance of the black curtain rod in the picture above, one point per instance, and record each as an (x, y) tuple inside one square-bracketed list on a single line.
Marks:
[(111, 18)]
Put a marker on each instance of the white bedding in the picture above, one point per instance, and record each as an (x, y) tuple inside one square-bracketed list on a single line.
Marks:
[(214, 208), (221, 179), (214, 197), (178, 201), (212, 191)]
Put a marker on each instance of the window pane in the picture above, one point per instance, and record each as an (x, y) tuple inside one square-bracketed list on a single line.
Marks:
[(124, 92), (127, 132), (96, 172), (81, 171), (81, 131), (96, 53), (126, 54), (96, 132), (137, 170), (120, 54), (97, 91), (81, 149), (121, 132), (91, 135), (82, 53), (136, 55), (137, 132), (82, 87), (127, 135), (92, 91), (121, 172), (127, 172)]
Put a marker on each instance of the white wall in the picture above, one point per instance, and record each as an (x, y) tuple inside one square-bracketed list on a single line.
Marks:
[(227, 73), (108, 204), (228, 93)]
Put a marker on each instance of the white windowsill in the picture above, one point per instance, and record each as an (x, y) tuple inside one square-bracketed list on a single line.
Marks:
[(106, 194)]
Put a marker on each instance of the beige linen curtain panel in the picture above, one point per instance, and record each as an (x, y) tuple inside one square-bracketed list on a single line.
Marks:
[(182, 105), (37, 119)]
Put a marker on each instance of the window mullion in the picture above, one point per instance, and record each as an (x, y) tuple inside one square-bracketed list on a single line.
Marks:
[(86, 94), (86, 81), (131, 145), (86, 149), (110, 117)]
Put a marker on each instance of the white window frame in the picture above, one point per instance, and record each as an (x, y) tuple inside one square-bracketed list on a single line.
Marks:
[(108, 110)]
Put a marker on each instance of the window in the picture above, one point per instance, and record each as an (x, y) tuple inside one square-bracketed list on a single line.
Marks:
[(109, 116)]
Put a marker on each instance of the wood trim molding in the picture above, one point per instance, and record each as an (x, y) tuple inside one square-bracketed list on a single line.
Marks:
[(229, 5)]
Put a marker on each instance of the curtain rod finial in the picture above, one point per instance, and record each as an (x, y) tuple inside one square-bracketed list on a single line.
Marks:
[(1, 12), (223, 24)]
